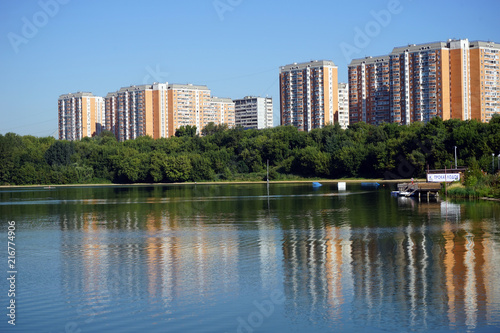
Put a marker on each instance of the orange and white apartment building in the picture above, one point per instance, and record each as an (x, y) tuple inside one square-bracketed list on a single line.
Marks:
[(156, 110), (80, 115), (159, 109), (308, 94), (137, 111), (221, 111), (454, 79), (192, 105)]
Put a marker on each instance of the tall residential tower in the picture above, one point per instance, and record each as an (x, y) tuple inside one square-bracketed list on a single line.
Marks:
[(453, 79), (80, 115), (308, 94), (254, 112), (137, 111), (343, 114)]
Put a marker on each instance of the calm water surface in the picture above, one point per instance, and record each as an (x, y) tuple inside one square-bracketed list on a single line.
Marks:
[(230, 258)]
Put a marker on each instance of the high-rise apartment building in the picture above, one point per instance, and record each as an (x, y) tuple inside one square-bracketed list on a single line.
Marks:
[(419, 82), (308, 94), (80, 115), (192, 105), (485, 79), (187, 104), (221, 111), (159, 109), (343, 113), (137, 111), (111, 112), (254, 112)]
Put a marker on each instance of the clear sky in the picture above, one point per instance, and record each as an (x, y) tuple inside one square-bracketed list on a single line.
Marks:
[(235, 47)]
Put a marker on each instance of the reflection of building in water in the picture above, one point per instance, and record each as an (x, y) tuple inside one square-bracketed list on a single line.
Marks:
[(446, 210), (317, 267), (338, 267), (165, 261), (451, 211), (469, 271), (270, 256), (419, 273), (192, 261), (305, 274)]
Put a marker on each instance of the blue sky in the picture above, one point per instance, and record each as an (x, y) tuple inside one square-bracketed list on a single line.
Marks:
[(53, 47)]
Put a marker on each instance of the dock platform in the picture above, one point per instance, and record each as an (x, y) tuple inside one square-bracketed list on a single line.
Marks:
[(419, 189)]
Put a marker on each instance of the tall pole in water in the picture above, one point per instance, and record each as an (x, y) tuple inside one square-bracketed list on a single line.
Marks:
[(492, 163), (445, 188), (455, 157), (267, 184), (267, 178)]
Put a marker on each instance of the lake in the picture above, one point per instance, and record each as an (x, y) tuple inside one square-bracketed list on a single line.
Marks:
[(242, 258)]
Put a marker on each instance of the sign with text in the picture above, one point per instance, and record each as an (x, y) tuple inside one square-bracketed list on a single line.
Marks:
[(441, 177)]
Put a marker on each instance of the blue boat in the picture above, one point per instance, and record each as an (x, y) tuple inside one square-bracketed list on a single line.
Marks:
[(316, 184), (372, 185)]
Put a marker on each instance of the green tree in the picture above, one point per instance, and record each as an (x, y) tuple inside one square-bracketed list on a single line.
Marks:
[(177, 169), (59, 153), (187, 130)]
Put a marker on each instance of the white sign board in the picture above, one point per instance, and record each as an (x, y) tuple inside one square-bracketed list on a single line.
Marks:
[(441, 177), (341, 186)]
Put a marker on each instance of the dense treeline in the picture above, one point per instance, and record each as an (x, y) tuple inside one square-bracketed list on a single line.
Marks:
[(363, 151)]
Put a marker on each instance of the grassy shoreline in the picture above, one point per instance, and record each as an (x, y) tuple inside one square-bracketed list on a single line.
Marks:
[(234, 182)]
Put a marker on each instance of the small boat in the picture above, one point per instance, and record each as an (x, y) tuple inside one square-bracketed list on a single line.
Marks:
[(375, 185), (49, 187), (316, 184)]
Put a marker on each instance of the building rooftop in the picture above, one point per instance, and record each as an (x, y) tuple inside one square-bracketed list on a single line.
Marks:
[(221, 100), (304, 65), (481, 44), (251, 97), (77, 94), (369, 60), (187, 86), (134, 87), (420, 47)]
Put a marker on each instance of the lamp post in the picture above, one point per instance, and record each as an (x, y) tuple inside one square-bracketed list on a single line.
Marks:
[(456, 158)]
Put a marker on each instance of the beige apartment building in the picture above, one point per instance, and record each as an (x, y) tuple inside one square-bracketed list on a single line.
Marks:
[(159, 109), (485, 79), (221, 111), (454, 79), (192, 105), (137, 111), (308, 94), (80, 115)]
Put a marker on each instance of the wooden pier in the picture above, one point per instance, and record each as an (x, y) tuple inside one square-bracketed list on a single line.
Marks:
[(419, 190)]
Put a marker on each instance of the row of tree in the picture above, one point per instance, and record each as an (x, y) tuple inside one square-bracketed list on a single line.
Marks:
[(362, 151)]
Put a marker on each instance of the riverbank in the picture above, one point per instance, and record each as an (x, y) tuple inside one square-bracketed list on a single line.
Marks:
[(236, 182), (486, 188)]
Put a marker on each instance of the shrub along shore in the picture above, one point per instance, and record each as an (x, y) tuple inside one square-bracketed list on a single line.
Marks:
[(388, 151)]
